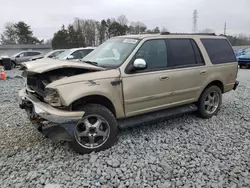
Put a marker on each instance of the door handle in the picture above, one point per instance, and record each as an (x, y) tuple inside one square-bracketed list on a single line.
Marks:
[(203, 72), (164, 78)]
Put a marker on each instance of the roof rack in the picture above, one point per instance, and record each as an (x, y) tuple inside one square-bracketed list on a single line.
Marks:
[(168, 33)]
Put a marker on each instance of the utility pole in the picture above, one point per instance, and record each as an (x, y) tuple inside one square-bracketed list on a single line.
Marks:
[(195, 19), (225, 29)]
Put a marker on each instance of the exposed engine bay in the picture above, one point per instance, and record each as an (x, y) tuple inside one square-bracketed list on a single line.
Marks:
[(36, 83)]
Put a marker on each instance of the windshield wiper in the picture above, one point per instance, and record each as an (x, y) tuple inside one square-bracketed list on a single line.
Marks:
[(90, 62)]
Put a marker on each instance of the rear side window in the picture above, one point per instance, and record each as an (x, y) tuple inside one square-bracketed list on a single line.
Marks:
[(183, 53), (33, 53), (219, 51)]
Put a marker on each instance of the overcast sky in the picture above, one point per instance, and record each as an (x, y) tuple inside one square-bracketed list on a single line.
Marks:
[(46, 16)]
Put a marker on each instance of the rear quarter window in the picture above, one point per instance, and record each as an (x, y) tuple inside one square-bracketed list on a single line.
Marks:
[(219, 51)]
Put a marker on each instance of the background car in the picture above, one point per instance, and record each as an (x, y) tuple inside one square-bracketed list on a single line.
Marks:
[(244, 59), (75, 53), (51, 54), (23, 56)]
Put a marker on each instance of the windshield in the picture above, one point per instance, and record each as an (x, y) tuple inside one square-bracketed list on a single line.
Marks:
[(247, 53), (16, 54), (64, 54), (113, 52)]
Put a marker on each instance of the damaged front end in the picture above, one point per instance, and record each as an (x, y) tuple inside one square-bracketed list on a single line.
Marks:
[(44, 105)]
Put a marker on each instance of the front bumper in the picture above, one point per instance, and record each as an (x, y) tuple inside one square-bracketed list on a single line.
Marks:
[(60, 124), (236, 85), (45, 111), (244, 63)]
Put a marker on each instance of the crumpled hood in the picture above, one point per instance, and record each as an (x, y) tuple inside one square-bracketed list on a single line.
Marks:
[(45, 65), (89, 77)]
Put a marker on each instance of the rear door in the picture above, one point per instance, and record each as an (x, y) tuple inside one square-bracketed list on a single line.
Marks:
[(34, 55), (189, 70), (22, 57)]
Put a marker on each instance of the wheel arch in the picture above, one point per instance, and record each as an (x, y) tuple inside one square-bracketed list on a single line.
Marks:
[(94, 99), (216, 83)]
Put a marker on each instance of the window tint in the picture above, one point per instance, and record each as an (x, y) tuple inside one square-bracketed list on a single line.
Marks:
[(87, 51), (181, 52), (198, 56), (219, 50), (78, 54), (22, 54), (154, 53), (33, 53)]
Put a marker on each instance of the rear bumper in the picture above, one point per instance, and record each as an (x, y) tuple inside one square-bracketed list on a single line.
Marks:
[(236, 85)]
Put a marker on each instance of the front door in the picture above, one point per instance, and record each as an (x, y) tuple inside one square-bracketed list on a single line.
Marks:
[(23, 57), (149, 89)]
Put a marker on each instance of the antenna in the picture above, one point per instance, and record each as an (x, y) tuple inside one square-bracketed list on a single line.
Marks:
[(195, 19)]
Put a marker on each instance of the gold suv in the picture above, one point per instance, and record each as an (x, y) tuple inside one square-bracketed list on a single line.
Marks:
[(127, 80)]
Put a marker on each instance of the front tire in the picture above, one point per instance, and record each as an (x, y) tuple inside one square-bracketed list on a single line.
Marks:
[(95, 131), (210, 102), (13, 64)]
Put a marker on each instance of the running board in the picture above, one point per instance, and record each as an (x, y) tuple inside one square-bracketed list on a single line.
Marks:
[(153, 116)]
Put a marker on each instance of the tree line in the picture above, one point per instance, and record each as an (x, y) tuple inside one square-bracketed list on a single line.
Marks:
[(89, 32), (18, 33)]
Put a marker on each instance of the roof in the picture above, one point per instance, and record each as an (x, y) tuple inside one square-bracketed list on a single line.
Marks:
[(172, 35)]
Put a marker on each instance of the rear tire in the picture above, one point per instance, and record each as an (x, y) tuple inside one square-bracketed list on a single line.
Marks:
[(241, 66), (96, 131), (210, 102)]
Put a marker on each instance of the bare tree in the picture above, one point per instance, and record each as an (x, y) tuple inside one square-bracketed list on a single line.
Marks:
[(122, 19), (137, 27), (87, 29), (164, 29)]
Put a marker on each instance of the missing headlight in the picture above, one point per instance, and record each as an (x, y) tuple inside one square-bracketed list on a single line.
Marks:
[(52, 97)]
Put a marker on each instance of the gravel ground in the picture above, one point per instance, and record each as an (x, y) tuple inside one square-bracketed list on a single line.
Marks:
[(184, 151)]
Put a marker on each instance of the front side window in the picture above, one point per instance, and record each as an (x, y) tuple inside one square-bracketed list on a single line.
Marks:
[(219, 51), (113, 52), (181, 53), (154, 53), (22, 54)]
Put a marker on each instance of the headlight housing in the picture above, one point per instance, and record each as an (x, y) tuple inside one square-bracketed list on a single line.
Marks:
[(52, 97)]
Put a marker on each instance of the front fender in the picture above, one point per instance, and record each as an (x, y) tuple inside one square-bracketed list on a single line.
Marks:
[(104, 87)]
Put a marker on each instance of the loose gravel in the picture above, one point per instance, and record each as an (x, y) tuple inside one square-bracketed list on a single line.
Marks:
[(184, 151)]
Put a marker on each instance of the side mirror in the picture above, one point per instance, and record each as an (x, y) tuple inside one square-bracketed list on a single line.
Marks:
[(70, 57), (140, 64), (17, 56)]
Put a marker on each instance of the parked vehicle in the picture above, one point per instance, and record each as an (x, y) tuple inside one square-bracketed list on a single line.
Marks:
[(244, 60), (51, 54), (24, 56), (74, 53), (241, 52), (128, 80)]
